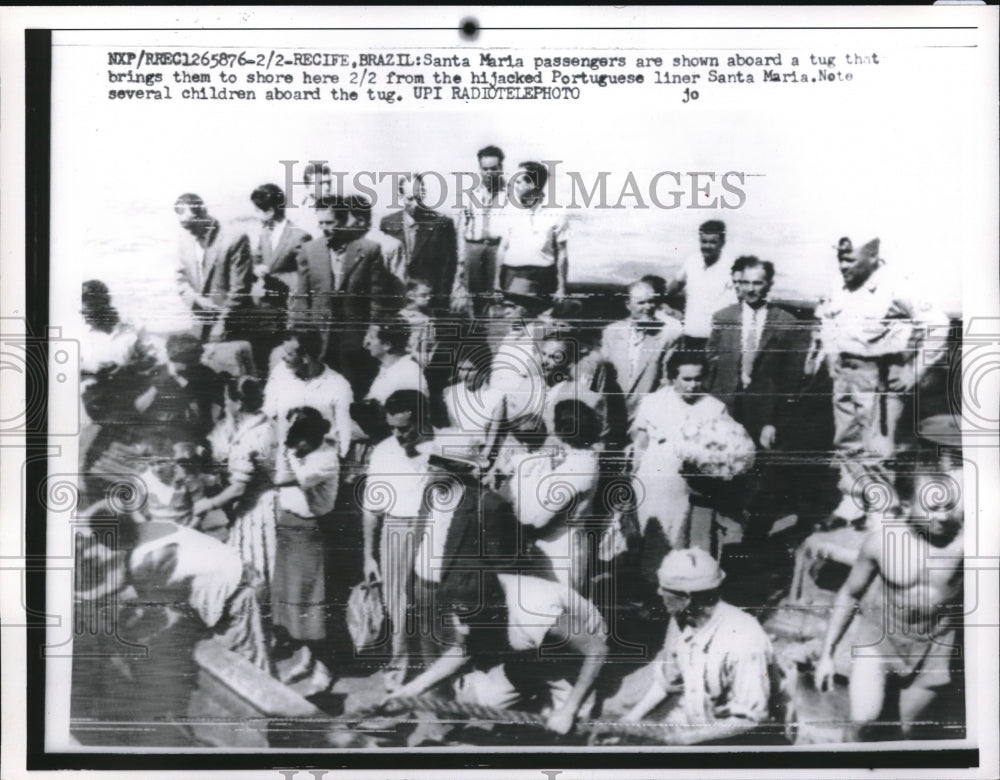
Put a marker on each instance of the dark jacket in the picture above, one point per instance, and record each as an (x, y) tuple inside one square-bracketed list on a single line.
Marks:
[(434, 254), (776, 373), (350, 309)]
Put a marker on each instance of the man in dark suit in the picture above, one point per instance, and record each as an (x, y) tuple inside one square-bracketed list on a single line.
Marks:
[(755, 368), (280, 239), (275, 269), (429, 243), (468, 527), (342, 286), (215, 271)]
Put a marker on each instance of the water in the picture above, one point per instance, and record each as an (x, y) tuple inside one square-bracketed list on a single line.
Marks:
[(807, 183), (136, 256)]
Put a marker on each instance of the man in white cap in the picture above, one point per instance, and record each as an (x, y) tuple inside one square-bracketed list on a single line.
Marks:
[(871, 330), (716, 656)]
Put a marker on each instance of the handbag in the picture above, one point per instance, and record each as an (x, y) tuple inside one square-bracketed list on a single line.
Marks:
[(365, 615)]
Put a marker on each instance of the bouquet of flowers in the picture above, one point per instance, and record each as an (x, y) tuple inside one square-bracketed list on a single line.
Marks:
[(718, 447)]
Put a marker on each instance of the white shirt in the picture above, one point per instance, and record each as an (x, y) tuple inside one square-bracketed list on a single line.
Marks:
[(517, 374), (428, 562), (276, 232), (404, 374), (635, 340), (753, 320), (722, 666), (212, 569), (470, 411), (396, 482), (480, 222), (707, 289), (535, 605), (533, 237), (881, 317), (328, 393), (99, 348), (337, 265), (317, 476)]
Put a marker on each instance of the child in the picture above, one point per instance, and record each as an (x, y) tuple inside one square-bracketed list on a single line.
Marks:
[(186, 396), (174, 479), (417, 313)]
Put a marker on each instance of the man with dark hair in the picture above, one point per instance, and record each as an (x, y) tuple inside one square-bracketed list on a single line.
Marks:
[(317, 183), (484, 155), (756, 356), (707, 284), (116, 358), (275, 269), (279, 238), (534, 244), (736, 273), (502, 623), (393, 502), (170, 587), (215, 272), (918, 564), (430, 246), (342, 287), (185, 396), (466, 523), (318, 177), (478, 274), (393, 254), (300, 380), (387, 342), (572, 371), (558, 503)]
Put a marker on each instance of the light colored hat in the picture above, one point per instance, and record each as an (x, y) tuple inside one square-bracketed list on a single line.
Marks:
[(452, 449), (870, 250), (690, 571)]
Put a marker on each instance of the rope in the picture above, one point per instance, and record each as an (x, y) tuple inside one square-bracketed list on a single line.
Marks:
[(453, 710)]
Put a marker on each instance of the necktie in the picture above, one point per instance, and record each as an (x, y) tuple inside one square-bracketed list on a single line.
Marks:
[(638, 335), (337, 267), (265, 243), (749, 348)]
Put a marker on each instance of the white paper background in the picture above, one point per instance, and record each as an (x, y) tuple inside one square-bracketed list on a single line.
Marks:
[(906, 151)]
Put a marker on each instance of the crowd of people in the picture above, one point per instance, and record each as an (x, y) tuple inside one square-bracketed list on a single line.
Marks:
[(427, 406)]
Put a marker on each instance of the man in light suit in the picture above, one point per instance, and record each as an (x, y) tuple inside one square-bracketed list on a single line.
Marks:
[(215, 271), (756, 356), (342, 287), (640, 345), (275, 270), (430, 245)]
